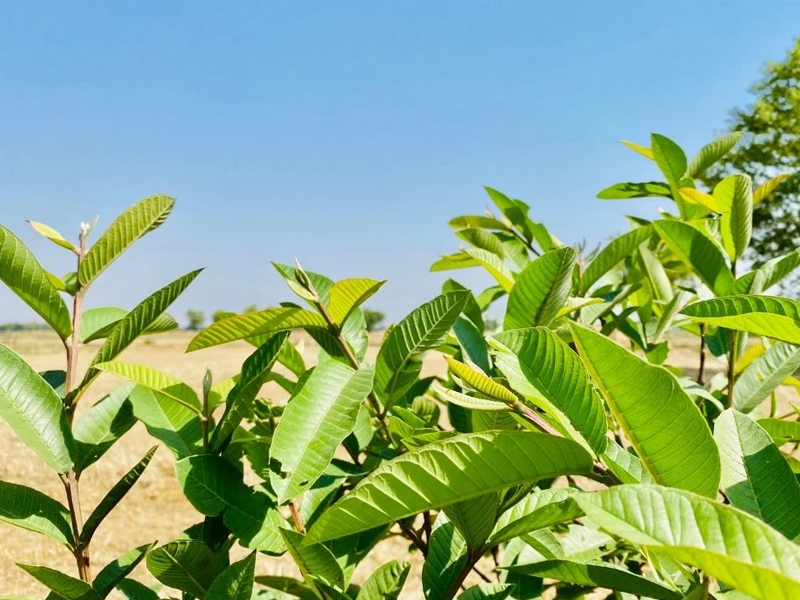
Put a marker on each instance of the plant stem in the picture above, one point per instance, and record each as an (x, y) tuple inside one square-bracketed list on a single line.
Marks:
[(298, 521), (70, 480), (522, 239), (702, 367)]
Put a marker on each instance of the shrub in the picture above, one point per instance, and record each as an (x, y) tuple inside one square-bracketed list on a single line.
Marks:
[(196, 318), (373, 319), (575, 461)]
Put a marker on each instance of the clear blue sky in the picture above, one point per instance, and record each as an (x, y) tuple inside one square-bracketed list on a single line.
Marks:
[(347, 134)]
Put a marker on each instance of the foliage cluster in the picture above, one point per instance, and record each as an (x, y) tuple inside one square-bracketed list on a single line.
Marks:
[(565, 446)]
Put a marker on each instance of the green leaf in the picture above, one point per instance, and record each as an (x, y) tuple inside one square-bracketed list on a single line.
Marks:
[(712, 153), (424, 329), (255, 370), (155, 381), (541, 367), (625, 465), (477, 221), (780, 430), (114, 497), (315, 561), (727, 544), (483, 239), (487, 591), (659, 418), (97, 323), (114, 572), (136, 322), (447, 556), (139, 219), (669, 157), (289, 585), (170, 422), (186, 565), (102, 425), (765, 374), (768, 274), (598, 574), (34, 411), (52, 234), (494, 265), (386, 582), (735, 196), (657, 276), (480, 382), (698, 253), (348, 294), (770, 316), (265, 322), (610, 256), (540, 509), (475, 518), (235, 582), (32, 510), (449, 471), (23, 274), (470, 402), (133, 590), (755, 476), (315, 422), (65, 587), (765, 189), (627, 190), (212, 485), (541, 289)]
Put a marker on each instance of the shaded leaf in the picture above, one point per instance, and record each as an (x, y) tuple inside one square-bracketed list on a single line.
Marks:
[(235, 582), (186, 565), (64, 586), (102, 425), (32, 510), (114, 572)]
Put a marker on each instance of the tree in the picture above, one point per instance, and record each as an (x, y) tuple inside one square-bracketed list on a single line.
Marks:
[(250, 308), (373, 319), (772, 147), (195, 318), (220, 314)]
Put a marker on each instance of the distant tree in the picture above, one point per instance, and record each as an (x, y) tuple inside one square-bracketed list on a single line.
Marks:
[(773, 146), (250, 309), (220, 314), (374, 318), (490, 324), (24, 327), (196, 319)]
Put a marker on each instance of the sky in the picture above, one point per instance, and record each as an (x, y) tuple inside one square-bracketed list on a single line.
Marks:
[(347, 134)]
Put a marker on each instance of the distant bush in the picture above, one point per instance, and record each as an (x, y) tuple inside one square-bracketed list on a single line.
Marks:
[(373, 318)]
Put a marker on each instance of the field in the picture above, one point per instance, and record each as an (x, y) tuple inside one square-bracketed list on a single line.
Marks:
[(155, 509)]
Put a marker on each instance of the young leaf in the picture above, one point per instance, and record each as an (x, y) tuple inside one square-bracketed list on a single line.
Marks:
[(186, 565), (262, 323), (766, 188), (101, 426), (613, 254), (315, 561), (625, 465), (712, 153), (781, 430), (541, 289), (643, 150), (449, 471), (255, 370), (541, 367), (765, 374), (628, 190), (32, 510), (480, 382), (386, 582), (661, 421), (136, 322), (424, 329), (598, 574), (64, 586), (669, 157), (735, 196), (235, 582), (34, 412), (114, 572), (23, 274), (114, 497), (698, 252), (755, 476), (52, 235), (494, 265), (315, 422), (727, 544), (693, 196), (538, 510), (154, 380), (770, 316), (348, 294), (139, 219)]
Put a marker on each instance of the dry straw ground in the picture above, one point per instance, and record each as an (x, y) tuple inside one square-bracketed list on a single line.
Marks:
[(155, 509)]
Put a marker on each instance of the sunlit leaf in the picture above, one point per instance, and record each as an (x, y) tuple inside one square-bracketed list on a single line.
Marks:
[(770, 316)]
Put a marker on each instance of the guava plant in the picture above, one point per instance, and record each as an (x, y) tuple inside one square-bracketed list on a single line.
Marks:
[(563, 456)]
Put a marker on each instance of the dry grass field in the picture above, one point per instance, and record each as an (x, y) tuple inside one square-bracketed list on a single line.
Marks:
[(155, 509)]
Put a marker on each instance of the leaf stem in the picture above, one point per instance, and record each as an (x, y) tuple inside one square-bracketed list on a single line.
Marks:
[(733, 353), (702, 366)]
